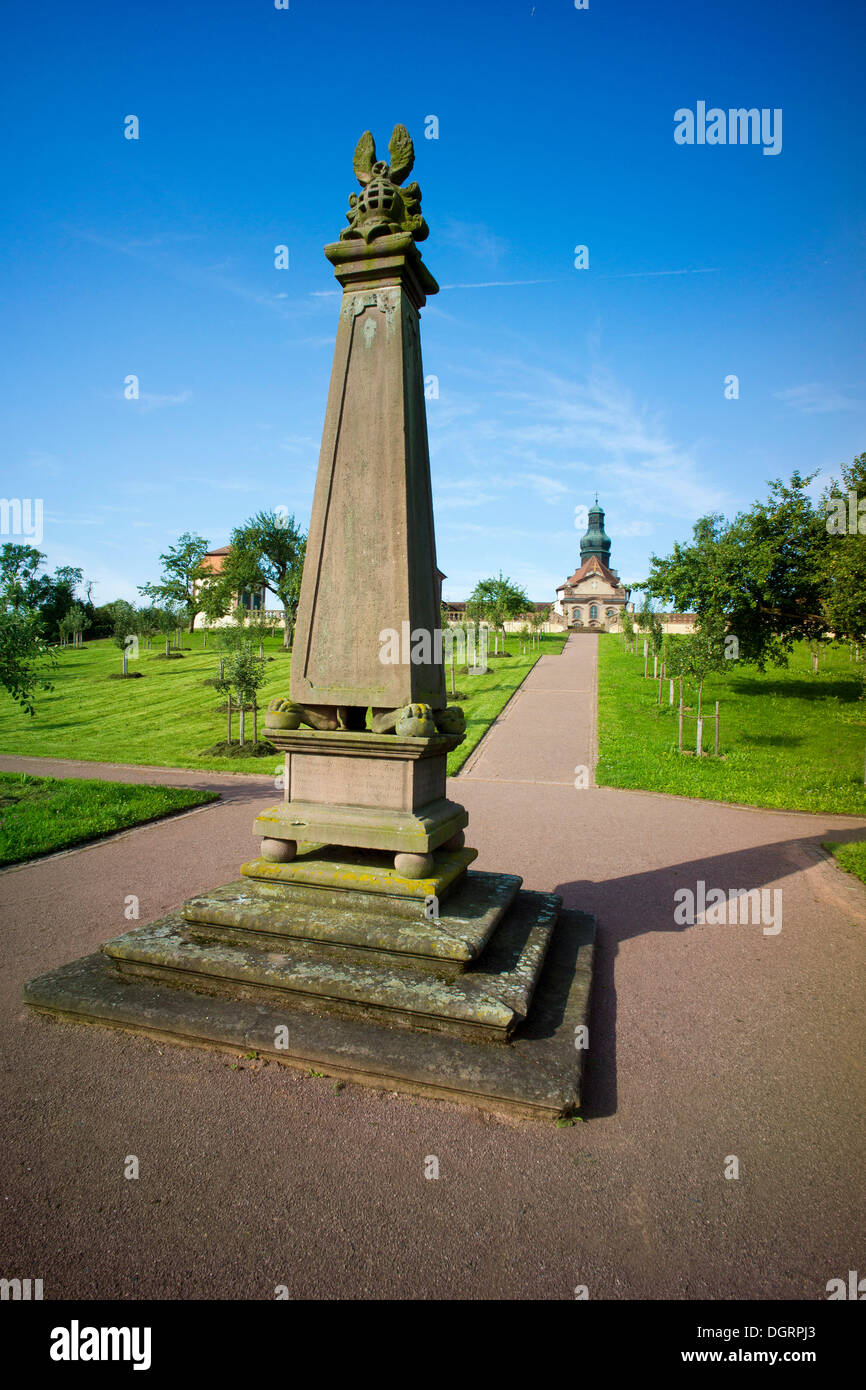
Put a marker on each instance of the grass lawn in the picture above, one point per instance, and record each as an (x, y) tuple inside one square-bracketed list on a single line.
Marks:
[(851, 857), (789, 739), (41, 814), (169, 717)]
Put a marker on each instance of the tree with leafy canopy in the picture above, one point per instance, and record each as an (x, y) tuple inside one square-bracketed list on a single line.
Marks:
[(24, 588), (20, 582), (496, 600), (764, 573), (843, 572), (268, 551), (182, 574)]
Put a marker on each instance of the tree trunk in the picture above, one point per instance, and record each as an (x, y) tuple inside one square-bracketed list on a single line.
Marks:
[(229, 709), (167, 646), (286, 633), (255, 721), (241, 708)]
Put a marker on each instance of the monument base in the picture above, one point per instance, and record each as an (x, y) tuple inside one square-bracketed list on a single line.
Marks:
[(536, 1075)]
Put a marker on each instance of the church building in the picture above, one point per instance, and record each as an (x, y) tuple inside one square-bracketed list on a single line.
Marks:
[(593, 597)]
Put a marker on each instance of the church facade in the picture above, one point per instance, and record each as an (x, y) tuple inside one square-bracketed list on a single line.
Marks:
[(593, 597)]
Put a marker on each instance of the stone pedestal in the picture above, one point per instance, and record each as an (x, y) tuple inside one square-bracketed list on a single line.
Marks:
[(479, 1002), (371, 791)]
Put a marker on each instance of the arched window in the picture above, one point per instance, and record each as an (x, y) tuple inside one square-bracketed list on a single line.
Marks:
[(593, 612)]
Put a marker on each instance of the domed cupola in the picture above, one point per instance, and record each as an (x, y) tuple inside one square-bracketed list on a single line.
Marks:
[(595, 541)]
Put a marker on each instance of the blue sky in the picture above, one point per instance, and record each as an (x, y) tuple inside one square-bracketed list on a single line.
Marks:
[(156, 257)]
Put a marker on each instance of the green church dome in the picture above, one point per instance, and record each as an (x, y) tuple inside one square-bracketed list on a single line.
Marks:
[(595, 540)]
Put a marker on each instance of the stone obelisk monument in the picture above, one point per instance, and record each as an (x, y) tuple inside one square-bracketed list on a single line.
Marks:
[(370, 567), (359, 939)]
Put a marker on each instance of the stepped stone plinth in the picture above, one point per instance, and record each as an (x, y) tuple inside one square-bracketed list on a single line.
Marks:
[(360, 940)]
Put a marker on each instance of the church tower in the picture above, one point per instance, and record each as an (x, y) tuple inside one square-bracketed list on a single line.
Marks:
[(595, 541), (592, 599)]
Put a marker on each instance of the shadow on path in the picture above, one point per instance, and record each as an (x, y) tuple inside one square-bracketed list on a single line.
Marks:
[(639, 904)]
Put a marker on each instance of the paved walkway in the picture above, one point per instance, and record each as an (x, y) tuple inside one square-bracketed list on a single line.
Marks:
[(705, 1042)]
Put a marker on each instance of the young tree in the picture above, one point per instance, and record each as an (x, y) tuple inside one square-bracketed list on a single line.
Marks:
[(674, 657), (76, 619), (627, 623), (537, 618), (257, 628), (148, 624), (182, 574), (24, 656), (704, 652), (268, 550), (649, 622), (167, 620), (125, 628), (243, 676), (495, 600)]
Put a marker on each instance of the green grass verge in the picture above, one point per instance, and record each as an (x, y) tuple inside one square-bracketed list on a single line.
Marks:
[(850, 857), (790, 739), (168, 718), (39, 815)]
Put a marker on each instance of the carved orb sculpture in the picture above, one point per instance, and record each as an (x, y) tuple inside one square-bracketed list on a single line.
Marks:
[(279, 851)]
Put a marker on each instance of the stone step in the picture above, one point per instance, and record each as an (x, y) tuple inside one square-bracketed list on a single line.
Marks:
[(489, 1000), (356, 927), (537, 1075)]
